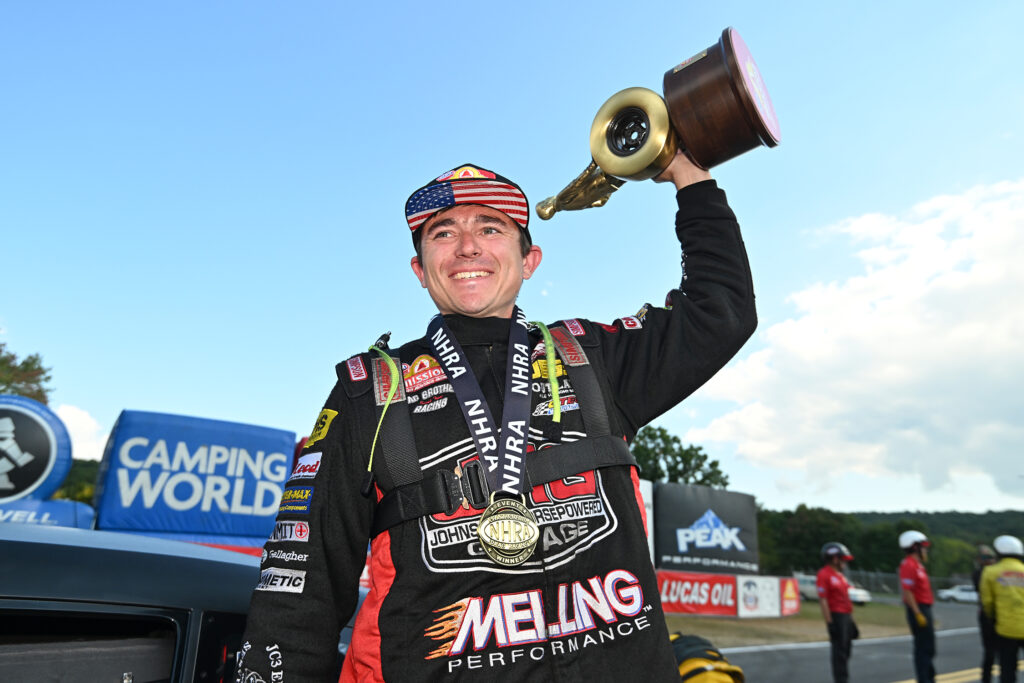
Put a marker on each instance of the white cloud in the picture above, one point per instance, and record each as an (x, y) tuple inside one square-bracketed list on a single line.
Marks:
[(87, 437), (914, 366)]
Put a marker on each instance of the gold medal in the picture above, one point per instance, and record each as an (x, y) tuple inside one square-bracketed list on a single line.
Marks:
[(508, 530)]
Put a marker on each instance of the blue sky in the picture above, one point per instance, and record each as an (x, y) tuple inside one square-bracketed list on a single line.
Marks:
[(201, 213)]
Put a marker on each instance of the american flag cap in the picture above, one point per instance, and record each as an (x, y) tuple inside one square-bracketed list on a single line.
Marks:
[(467, 184)]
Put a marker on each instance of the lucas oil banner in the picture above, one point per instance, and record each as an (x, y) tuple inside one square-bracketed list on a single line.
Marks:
[(192, 478), (700, 529)]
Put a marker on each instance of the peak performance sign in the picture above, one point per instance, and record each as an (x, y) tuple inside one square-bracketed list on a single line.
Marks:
[(700, 529)]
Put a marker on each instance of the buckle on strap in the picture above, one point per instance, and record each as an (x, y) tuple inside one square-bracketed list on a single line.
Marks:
[(470, 487), (474, 485)]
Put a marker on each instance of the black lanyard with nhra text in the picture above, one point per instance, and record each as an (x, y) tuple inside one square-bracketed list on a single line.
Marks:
[(507, 529)]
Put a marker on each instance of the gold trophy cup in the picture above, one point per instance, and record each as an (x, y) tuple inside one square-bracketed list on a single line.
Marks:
[(716, 107)]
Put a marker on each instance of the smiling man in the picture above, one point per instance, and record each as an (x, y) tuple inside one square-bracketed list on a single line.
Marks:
[(487, 464)]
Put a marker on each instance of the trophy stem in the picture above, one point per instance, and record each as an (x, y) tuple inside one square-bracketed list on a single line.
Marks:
[(590, 189)]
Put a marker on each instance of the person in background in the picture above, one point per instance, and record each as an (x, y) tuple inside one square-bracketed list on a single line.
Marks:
[(1002, 599), (986, 626), (836, 608), (918, 599)]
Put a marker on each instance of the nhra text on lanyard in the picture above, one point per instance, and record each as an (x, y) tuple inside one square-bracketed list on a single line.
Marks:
[(502, 454)]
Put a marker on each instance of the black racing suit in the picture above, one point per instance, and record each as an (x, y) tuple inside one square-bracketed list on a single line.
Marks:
[(585, 606)]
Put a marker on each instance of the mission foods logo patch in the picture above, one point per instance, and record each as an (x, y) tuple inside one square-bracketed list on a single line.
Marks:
[(422, 372), (296, 500)]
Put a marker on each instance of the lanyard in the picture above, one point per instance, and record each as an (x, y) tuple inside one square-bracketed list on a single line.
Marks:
[(502, 453)]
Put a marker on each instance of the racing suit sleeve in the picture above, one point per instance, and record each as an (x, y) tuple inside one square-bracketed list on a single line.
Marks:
[(309, 578), (656, 359)]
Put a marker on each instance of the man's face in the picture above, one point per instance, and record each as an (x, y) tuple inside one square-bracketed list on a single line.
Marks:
[(472, 262)]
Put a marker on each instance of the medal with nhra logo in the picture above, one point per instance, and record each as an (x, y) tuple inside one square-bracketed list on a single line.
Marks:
[(507, 530)]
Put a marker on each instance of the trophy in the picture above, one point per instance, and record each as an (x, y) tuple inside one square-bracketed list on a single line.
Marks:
[(716, 107)]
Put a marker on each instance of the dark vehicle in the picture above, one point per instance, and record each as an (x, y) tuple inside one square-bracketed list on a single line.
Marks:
[(82, 605)]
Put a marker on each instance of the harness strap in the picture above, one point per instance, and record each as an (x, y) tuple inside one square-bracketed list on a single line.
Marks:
[(397, 441), (584, 381), (444, 491)]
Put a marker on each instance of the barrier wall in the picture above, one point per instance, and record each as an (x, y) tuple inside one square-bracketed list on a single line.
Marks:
[(729, 595)]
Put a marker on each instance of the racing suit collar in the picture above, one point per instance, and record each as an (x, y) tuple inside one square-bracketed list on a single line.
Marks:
[(469, 330)]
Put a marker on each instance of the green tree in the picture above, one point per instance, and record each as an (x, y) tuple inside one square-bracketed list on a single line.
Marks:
[(26, 378), (662, 457), (80, 484)]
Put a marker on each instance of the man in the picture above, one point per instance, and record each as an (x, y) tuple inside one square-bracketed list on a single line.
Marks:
[(1002, 599), (836, 608), (918, 600), (986, 626), (487, 464)]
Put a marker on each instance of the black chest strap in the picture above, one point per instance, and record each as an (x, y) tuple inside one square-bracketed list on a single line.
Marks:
[(444, 491)]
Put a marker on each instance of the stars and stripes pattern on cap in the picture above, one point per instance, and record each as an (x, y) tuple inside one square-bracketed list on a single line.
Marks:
[(448, 191)]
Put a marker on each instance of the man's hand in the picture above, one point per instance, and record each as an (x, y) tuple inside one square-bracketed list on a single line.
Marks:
[(682, 172), (922, 620)]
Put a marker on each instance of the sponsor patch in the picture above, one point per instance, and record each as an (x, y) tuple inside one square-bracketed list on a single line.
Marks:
[(296, 500), (517, 623), (575, 327), (466, 172), (548, 407), (540, 369), (423, 372), (431, 406), (322, 426), (631, 322), (642, 313), (569, 349), (284, 555), (290, 531), (382, 383), (307, 466), (277, 580), (356, 369)]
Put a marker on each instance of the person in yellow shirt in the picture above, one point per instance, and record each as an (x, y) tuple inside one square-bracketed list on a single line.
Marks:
[(1002, 599)]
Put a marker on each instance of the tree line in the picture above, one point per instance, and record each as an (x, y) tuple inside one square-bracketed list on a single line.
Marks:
[(791, 540)]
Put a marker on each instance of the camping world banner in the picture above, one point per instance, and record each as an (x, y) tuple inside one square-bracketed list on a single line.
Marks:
[(191, 477), (700, 529)]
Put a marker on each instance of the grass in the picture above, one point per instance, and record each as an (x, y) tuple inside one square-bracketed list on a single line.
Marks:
[(875, 620)]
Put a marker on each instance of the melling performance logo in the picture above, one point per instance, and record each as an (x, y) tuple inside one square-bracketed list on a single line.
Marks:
[(514, 627), (35, 451), (573, 514)]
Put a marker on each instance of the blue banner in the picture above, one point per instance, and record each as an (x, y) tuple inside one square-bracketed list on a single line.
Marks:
[(188, 475), (35, 451), (47, 513)]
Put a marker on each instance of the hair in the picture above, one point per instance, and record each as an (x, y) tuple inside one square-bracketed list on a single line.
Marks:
[(524, 239)]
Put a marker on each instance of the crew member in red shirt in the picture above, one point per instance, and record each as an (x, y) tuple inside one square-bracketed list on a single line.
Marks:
[(917, 597), (834, 600)]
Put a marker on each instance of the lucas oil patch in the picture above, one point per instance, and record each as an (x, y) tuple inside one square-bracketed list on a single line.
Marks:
[(322, 425)]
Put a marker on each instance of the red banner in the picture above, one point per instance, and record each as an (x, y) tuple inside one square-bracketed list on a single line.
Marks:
[(790, 596), (683, 592)]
